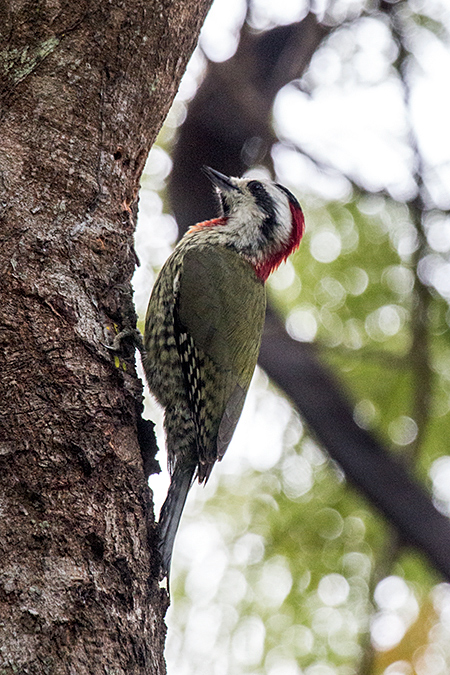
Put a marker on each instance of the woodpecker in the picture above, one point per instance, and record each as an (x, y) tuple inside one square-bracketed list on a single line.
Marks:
[(204, 324)]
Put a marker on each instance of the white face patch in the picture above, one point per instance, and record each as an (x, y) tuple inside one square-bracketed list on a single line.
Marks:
[(259, 217), (283, 210)]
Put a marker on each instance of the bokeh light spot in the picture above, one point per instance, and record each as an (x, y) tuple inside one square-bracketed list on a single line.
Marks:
[(403, 430), (325, 246), (297, 476), (333, 589), (248, 641), (387, 630), (301, 325)]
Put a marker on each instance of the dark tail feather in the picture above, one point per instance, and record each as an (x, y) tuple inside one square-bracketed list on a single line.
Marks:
[(171, 511)]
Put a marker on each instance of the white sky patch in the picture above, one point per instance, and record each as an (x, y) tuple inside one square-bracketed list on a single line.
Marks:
[(363, 136), (266, 13), (355, 117), (430, 100), (220, 33)]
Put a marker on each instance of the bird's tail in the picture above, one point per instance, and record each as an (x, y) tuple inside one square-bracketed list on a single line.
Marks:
[(171, 511)]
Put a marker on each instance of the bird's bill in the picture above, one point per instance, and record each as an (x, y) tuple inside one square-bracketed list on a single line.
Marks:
[(219, 179)]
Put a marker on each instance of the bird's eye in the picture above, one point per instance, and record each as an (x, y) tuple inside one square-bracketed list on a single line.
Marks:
[(254, 185)]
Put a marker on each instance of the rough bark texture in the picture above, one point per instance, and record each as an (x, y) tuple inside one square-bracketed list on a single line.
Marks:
[(84, 89)]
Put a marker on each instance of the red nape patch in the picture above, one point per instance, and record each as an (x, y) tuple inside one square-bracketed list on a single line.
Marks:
[(264, 270), (207, 223)]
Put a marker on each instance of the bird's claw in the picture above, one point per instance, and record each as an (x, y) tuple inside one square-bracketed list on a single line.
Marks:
[(131, 334)]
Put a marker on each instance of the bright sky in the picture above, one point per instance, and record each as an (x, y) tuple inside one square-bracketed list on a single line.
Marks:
[(357, 109)]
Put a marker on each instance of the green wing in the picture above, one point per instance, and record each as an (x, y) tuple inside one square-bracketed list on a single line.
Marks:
[(220, 311)]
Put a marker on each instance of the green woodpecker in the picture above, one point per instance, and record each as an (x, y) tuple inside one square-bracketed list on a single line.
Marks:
[(204, 324)]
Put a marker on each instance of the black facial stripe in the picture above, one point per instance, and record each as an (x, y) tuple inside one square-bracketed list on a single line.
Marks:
[(262, 197), (290, 196), (267, 227), (266, 204), (225, 206)]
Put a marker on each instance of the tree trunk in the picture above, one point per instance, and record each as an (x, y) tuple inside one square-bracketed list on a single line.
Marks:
[(84, 89)]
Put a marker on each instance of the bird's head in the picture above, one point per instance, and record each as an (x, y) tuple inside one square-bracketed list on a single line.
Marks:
[(261, 220)]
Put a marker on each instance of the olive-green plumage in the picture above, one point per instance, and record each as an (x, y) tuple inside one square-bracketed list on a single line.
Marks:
[(202, 336), (209, 298), (203, 329)]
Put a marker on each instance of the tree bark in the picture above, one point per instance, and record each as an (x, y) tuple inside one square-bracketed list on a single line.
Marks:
[(84, 89)]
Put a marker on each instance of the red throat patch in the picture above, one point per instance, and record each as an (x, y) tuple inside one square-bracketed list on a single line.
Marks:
[(264, 269), (207, 223)]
